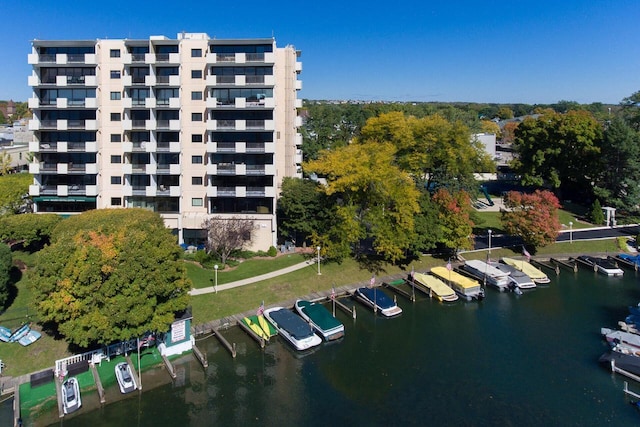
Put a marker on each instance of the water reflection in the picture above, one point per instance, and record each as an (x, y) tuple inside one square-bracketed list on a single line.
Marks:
[(507, 360)]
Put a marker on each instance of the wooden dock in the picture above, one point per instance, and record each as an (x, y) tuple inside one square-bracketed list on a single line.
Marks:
[(225, 343), (624, 262), (393, 286), (586, 264), (257, 338), (96, 379), (137, 373), (566, 264), (541, 264), (202, 357), (169, 367)]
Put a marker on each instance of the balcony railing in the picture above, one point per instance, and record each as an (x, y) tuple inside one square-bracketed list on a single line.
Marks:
[(226, 124), (47, 57), (255, 80), (138, 57), (225, 79), (255, 170), (224, 57), (226, 147), (75, 57), (255, 124), (255, 57), (226, 191), (255, 147)]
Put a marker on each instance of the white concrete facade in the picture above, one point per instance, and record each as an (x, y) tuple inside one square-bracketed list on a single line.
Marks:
[(189, 127)]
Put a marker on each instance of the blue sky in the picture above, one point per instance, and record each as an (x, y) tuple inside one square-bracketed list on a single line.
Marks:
[(470, 51)]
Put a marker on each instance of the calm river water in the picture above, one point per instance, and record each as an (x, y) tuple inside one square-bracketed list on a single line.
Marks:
[(528, 360)]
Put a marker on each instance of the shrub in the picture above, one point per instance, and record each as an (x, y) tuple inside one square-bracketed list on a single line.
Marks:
[(272, 251)]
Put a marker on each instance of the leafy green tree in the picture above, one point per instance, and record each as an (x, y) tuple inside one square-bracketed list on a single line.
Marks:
[(617, 185), (5, 273), (558, 150), (110, 275), (28, 229), (302, 209), (432, 149), (426, 236), (505, 113), (631, 110), (533, 217), (596, 216), (375, 200), (454, 219), (13, 188), (5, 163)]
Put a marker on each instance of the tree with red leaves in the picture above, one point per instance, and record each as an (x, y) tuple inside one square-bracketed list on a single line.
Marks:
[(533, 217)]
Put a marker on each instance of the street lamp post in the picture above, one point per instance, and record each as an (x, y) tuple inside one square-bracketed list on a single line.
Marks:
[(215, 287), (318, 248), (489, 232), (570, 231)]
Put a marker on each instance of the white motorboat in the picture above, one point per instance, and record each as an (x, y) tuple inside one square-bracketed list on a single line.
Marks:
[(71, 400), (602, 265), (125, 378), (293, 328), (484, 271), (517, 279)]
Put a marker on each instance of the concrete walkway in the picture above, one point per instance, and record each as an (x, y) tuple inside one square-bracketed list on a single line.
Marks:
[(210, 289)]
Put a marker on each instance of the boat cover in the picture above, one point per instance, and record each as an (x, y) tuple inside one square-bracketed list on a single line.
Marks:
[(292, 323), (381, 299), (319, 315)]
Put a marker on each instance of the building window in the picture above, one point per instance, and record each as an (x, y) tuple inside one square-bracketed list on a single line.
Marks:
[(196, 180), (116, 96), (196, 117), (116, 180), (196, 96), (114, 53), (196, 137), (116, 159), (116, 137), (197, 201), (196, 74), (196, 53), (115, 117), (116, 201), (115, 74), (196, 160)]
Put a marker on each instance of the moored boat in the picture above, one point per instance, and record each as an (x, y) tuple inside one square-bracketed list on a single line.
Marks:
[(293, 328), (517, 278), (602, 265), (126, 381), (615, 359), (71, 400), (633, 260), (435, 287), (317, 315), (467, 288), (379, 301), (259, 325), (537, 275), (615, 337), (484, 271), (31, 337)]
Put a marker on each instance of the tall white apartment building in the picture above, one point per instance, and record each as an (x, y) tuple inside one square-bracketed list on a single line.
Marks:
[(191, 128)]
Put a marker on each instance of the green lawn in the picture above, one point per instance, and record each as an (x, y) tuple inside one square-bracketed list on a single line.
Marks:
[(204, 277)]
